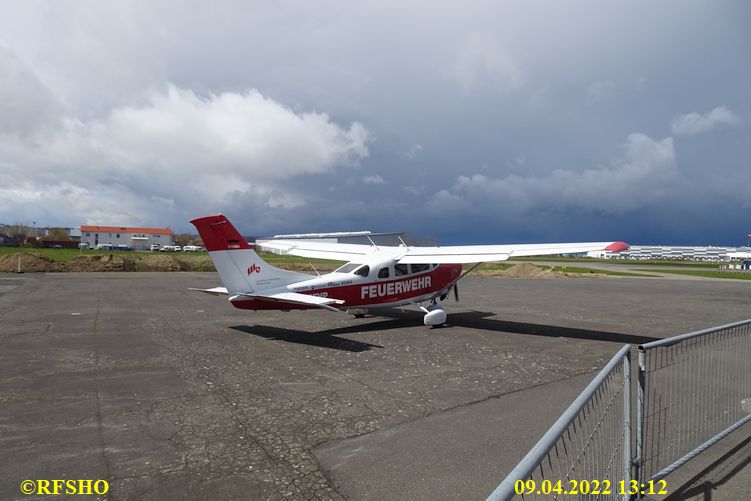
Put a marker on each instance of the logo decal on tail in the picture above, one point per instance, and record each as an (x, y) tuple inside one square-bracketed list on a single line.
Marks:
[(254, 269)]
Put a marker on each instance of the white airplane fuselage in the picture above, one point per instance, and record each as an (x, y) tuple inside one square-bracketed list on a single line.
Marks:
[(395, 287)]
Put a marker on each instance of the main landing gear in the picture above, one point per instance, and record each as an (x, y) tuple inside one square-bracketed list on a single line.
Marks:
[(359, 312)]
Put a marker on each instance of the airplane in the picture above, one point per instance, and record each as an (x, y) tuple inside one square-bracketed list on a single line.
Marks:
[(374, 277)]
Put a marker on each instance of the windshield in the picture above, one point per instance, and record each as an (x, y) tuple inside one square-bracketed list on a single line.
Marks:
[(347, 268)]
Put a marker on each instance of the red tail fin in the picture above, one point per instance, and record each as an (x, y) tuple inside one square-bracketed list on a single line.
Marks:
[(218, 233)]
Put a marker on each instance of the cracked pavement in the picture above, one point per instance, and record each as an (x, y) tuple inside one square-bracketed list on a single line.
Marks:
[(167, 393)]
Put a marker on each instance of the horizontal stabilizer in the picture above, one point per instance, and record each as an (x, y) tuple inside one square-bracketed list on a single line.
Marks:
[(216, 291), (292, 298)]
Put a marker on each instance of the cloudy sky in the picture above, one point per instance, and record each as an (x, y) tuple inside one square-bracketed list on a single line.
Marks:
[(473, 122)]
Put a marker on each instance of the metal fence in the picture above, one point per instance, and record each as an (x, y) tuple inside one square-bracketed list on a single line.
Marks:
[(693, 390), (590, 441)]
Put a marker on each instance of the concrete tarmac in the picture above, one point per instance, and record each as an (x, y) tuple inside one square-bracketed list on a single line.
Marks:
[(167, 393)]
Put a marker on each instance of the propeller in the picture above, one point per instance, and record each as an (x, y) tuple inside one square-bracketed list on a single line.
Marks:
[(448, 291)]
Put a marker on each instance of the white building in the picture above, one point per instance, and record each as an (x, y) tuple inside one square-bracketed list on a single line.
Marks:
[(132, 237), (645, 252)]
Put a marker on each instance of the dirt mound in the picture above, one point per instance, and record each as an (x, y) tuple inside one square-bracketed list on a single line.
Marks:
[(195, 262), (29, 263), (107, 262), (522, 270), (527, 270), (159, 262)]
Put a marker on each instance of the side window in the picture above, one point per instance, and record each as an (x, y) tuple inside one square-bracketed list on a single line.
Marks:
[(401, 269), (419, 268), (383, 273), (363, 271)]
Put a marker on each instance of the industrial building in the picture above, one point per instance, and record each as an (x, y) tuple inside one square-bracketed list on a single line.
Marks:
[(121, 237), (648, 252)]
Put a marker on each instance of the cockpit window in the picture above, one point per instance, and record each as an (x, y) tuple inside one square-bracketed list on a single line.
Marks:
[(383, 272), (419, 268), (401, 269), (348, 268), (363, 271)]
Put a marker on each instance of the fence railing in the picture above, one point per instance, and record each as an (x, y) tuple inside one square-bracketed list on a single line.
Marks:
[(591, 441), (693, 390)]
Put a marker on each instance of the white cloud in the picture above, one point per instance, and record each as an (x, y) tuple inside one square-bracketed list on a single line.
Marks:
[(691, 124), (374, 179), (642, 175), (178, 145)]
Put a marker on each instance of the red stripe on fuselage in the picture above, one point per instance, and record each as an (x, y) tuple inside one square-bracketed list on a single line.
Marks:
[(370, 294)]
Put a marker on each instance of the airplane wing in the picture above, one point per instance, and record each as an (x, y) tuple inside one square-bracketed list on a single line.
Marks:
[(463, 254), (467, 254), (293, 298), (318, 250)]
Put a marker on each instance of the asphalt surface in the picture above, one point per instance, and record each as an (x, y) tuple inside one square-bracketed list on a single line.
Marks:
[(167, 393)]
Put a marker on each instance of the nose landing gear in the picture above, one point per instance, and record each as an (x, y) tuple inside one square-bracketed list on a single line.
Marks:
[(435, 315)]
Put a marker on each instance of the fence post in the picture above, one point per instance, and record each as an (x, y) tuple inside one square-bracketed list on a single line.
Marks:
[(641, 390), (627, 420)]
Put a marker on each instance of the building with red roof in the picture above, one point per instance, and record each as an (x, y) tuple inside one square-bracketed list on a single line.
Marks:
[(136, 238)]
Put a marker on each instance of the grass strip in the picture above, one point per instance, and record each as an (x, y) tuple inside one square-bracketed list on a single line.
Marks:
[(575, 269), (728, 275)]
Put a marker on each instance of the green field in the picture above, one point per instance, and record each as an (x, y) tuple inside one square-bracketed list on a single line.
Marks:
[(61, 255), (706, 273), (200, 261), (574, 269), (564, 269)]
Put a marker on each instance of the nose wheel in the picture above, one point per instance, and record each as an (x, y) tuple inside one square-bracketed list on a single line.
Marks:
[(435, 315)]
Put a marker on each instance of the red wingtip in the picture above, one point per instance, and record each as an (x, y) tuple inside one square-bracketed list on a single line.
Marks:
[(218, 233), (617, 247)]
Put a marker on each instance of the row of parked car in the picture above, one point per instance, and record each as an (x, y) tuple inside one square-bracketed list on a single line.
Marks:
[(177, 248)]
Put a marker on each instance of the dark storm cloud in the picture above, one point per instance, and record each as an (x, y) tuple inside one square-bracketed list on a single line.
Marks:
[(491, 120)]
